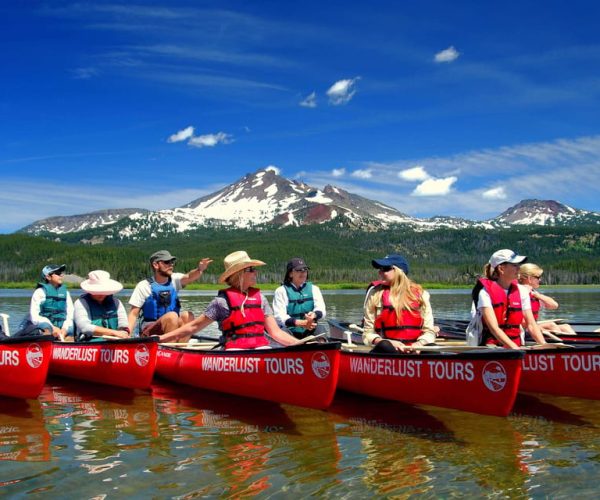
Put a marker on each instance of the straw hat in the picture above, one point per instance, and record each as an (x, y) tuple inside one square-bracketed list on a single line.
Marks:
[(99, 283), (237, 261)]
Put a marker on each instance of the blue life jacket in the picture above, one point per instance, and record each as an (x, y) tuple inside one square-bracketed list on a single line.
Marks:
[(162, 300), (55, 306), (300, 302), (105, 314)]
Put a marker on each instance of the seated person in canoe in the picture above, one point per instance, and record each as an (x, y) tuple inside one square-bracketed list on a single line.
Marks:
[(397, 312), (530, 276), (298, 303), (502, 304), (241, 310), (51, 306), (156, 299), (98, 313)]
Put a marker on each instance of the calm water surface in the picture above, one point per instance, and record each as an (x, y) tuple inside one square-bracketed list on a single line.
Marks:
[(82, 441)]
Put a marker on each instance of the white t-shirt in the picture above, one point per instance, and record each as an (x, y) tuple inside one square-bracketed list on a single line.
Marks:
[(484, 299), (143, 290)]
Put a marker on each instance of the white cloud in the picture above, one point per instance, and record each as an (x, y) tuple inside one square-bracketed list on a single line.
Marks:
[(342, 91), (210, 140), (84, 73), (495, 194), (273, 168), (182, 135), (310, 101), (338, 172), (447, 55), (363, 174), (435, 187), (417, 173)]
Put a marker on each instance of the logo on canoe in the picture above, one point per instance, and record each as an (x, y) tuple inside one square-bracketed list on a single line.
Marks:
[(494, 376), (142, 355), (320, 365), (34, 356)]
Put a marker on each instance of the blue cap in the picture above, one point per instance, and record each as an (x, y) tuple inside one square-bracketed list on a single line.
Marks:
[(391, 260), (51, 269)]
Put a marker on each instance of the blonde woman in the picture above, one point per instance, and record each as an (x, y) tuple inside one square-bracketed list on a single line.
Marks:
[(241, 310), (397, 312), (530, 276), (503, 304)]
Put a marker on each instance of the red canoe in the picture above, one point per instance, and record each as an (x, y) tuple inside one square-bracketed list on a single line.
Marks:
[(573, 371), (24, 363), (304, 375), (480, 381), (123, 363)]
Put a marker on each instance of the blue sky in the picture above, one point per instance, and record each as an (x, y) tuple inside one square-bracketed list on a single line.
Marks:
[(433, 107)]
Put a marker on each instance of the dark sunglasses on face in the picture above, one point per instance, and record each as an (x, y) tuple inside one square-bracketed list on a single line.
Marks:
[(385, 269), (56, 274), (250, 270), (167, 262)]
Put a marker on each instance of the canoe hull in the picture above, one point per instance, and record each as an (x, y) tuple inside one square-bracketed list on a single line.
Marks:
[(564, 372), (24, 363), (126, 363), (478, 381), (302, 375)]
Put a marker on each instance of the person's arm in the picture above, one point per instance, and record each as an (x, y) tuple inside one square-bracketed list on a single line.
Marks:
[(532, 327), (195, 274), (428, 336), (34, 307), (68, 324), (82, 318), (187, 329), (280, 303), (277, 333), (132, 317), (547, 302), (319, 310), (372, 303)]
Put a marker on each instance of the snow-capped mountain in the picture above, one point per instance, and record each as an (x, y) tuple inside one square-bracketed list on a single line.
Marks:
[(544, 213), (266, 198)]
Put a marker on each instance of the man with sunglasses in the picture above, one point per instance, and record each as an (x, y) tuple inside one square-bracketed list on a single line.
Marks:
[(51, 306), (156, 299)]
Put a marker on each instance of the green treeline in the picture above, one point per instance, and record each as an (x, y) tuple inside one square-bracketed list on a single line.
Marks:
[(335, 254)]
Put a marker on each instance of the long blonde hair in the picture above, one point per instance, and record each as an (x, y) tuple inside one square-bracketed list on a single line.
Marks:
[(404, 292)]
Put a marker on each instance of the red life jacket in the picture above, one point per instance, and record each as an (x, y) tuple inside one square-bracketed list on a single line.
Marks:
[(410, 326), (247, 330), (507, 309), (536, 305)]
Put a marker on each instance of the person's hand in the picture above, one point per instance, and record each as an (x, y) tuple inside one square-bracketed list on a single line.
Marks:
[(399, 345), (203, 264), (58, 333)]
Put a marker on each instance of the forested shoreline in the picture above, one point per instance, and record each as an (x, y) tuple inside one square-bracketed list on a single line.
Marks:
[(335, 254)]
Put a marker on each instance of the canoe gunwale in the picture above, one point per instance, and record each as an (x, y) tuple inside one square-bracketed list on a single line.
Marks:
[(326, 346), (30, 338)]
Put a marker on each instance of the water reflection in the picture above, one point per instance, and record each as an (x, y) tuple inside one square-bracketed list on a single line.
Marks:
[(23, 434)]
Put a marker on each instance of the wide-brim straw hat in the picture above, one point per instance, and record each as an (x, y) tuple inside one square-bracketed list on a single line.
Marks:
[(99, 283), (237, 261)]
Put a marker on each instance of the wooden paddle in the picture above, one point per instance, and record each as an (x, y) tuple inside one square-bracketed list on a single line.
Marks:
[(5, 328), (310, 338)]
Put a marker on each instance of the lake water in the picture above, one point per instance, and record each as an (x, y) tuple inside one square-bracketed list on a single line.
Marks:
[(84, 441)]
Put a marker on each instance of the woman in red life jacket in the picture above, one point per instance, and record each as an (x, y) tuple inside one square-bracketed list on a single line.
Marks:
[(241, 310), (397, 312), (504, 305), (530, 276)]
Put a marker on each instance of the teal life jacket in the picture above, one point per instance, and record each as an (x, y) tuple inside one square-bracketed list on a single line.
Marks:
[(300, 302), (105, 314), (55, 306)]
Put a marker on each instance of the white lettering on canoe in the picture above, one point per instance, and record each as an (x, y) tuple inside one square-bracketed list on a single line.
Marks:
[(579, 362), (539, 362), (230, 364), (386, 366), (284, 366), (9, 357), (74, 354), (114, 356), (455, 370)]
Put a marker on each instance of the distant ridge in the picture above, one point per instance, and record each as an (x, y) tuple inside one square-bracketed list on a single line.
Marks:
[(264, 198)]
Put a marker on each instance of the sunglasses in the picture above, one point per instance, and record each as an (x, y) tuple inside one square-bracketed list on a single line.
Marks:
[(385, 269), (250, 270), (56, 274), (303, 270), (167, 262)]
